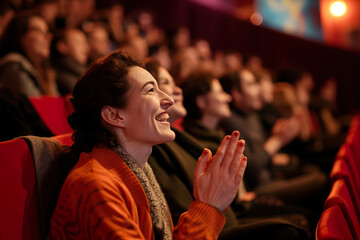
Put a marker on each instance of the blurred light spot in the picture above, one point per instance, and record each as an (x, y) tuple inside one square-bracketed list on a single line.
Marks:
[(338, 8), (256, 19)]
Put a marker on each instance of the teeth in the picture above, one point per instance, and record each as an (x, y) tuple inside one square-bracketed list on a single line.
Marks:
[(161, 118)]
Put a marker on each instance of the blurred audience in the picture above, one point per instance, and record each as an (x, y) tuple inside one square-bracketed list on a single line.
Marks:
[(25, 52)]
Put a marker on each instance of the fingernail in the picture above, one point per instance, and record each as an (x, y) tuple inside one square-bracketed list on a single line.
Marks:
[(241, 143), (245, 158), (227, 138), (205, 152), (236, 133)]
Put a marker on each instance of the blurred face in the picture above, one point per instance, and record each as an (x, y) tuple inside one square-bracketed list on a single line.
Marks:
[(36, 41), (217, 102), (99, 42), (250, 92), (167, 85), (77, 46), (267, 90), (146, 115)]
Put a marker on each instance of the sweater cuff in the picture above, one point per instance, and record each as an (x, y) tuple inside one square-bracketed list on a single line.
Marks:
[(212, 216)]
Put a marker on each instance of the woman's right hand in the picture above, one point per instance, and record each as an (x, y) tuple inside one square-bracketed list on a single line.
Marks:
[(217, 178)]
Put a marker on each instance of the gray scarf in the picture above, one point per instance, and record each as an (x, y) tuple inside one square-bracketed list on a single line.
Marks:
[(159, 211)]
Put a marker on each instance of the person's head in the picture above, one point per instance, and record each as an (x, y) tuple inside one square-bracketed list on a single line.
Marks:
[(167, 84), (266, 86), (301, 80), (72, 42), (205, 99), (27, 34), (285, 99), (244, 89), (116, 101), (49, 10), (99, 41)]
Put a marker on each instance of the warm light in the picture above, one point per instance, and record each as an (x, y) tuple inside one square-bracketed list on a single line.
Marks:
[(338, 8), (256, 19)]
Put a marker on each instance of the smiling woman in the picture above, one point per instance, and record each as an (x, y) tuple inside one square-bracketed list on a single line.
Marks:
[(111, 191)]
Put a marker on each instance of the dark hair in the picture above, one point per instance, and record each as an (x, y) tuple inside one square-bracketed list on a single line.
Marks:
[(198, 84), (152, 65), (16, 29), (230, 80), (103, 84)]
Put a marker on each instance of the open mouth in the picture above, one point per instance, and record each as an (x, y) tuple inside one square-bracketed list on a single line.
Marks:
[(162, 117)]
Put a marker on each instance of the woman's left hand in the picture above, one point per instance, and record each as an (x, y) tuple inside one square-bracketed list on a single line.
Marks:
[(217, 178)]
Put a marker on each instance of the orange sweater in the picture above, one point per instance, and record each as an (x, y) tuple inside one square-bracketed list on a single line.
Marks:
[(102, 199)]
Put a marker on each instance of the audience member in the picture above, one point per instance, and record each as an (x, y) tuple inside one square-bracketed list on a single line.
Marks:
[(120, 113), (24, 52), (245, 92), (70, 56)]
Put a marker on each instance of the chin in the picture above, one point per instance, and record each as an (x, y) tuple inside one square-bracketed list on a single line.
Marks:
[(168, 137)]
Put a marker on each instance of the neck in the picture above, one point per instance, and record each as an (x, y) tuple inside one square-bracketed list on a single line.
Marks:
[(139, 151), (209, 121)]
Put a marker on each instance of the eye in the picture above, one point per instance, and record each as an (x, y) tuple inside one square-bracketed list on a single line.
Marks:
[(151, 90)]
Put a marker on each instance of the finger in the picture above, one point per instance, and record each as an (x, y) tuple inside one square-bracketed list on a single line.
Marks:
[(199, 169), (220, 153), (202, 161), (240, 147), (241, 170), (229, 154)]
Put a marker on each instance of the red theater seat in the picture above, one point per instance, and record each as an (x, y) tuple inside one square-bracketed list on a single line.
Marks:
[(340, 196), (54, 112), (332, 225), (19, 202)]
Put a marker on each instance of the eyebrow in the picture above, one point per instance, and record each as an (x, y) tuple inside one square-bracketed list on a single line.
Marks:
[(149, 82)]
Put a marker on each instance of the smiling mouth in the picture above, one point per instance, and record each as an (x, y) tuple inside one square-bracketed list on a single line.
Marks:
[(162, 117)]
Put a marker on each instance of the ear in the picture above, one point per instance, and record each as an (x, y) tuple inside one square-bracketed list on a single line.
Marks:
[(113, 116), (201, 102), (61, 47), (236, 95)]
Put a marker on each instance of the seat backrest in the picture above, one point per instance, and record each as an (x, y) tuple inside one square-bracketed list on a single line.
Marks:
[(19, 218), (340, 196), (341, 170), (49, 176), (332, 225), (54, 112)]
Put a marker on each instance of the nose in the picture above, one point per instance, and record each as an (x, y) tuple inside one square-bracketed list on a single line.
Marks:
[(165, 100)]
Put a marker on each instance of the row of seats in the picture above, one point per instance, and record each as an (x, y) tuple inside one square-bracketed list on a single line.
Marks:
[(341, 216), (30, 180)]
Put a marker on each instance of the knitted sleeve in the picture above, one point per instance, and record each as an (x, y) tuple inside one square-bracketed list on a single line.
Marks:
[(201, 221)]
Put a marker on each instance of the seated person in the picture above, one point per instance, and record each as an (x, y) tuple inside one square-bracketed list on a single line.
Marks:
[(70, 56), (174, 162), (111, 191), (25, 52), (307, 189)]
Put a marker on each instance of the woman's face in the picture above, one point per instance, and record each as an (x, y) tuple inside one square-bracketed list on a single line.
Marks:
[(167, 85), (146, 115), (217, 102), (37, 39)]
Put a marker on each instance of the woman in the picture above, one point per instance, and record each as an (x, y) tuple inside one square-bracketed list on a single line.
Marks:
[(111, 192), (25, 50)]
